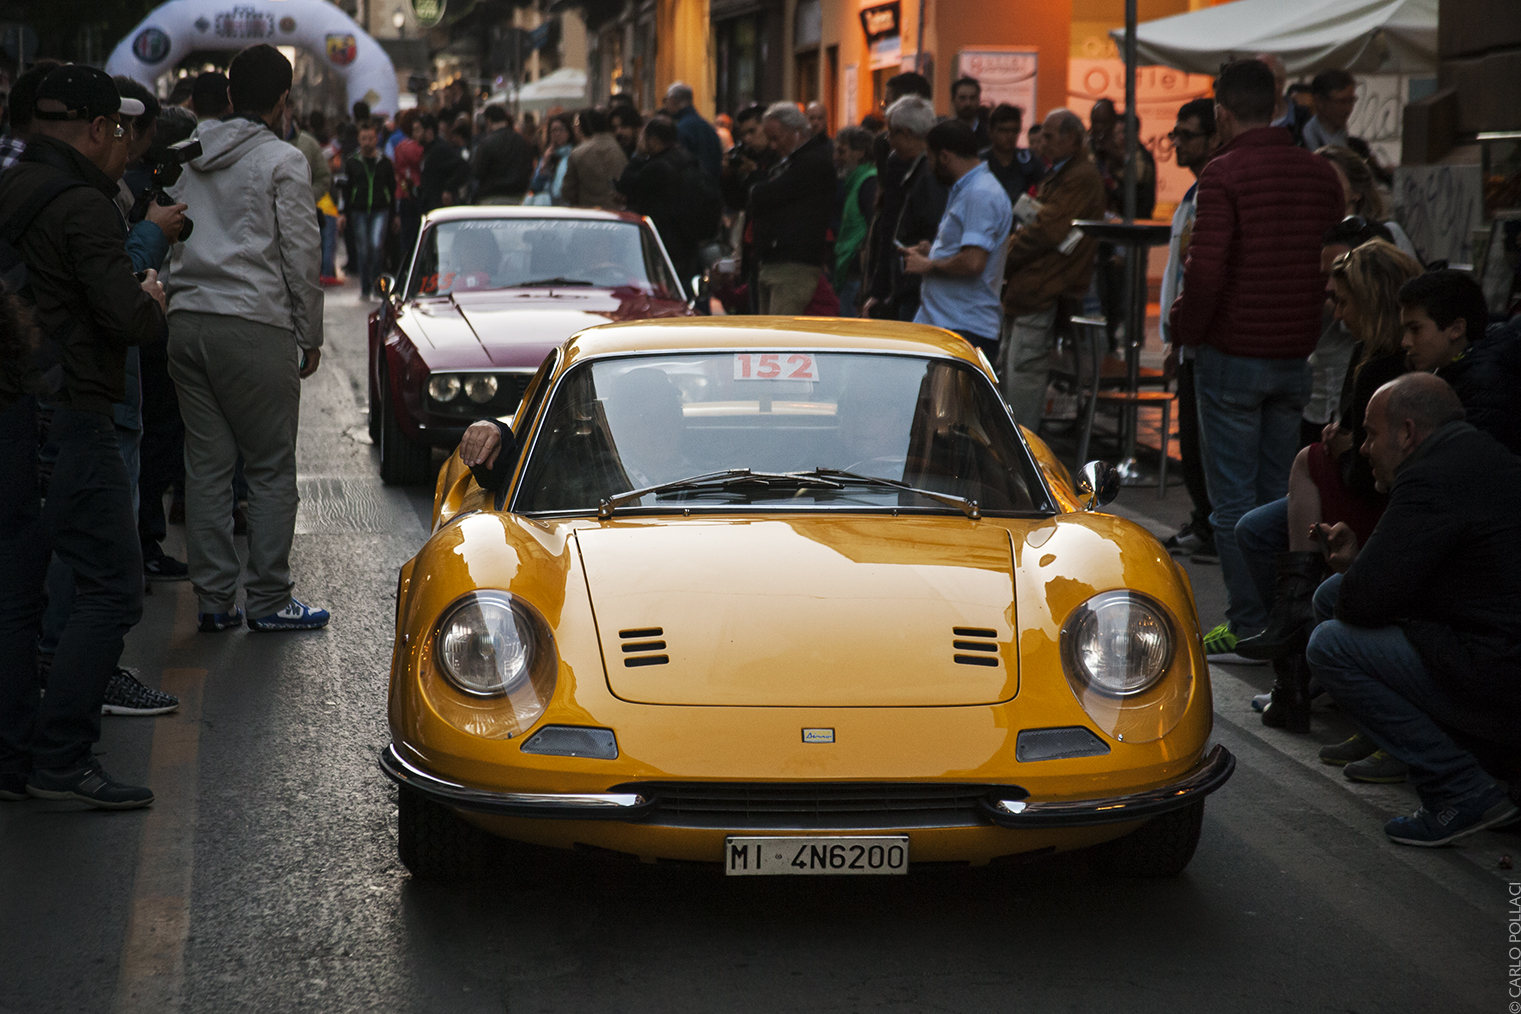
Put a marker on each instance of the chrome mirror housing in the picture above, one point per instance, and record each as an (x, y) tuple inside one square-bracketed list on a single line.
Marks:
[(1100, 483)]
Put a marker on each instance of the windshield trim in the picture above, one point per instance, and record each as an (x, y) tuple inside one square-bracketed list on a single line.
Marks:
[(644, 223), (1048, 509)]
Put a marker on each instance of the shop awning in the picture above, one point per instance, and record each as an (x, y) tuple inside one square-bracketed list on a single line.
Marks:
[(1363, 36), (562, 87)]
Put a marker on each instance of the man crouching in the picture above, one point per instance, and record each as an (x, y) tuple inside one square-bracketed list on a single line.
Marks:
[(1425, 645)]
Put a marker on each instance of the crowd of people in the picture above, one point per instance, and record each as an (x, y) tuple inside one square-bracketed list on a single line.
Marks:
[(1343, 409)]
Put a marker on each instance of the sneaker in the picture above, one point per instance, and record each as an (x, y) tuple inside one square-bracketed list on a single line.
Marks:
[(295, 616), (88, 783), (1206, 553), (1261, 701), (126, 695), (1184, 542), (1348, 751), (165, 568), (211, 623), (1378, 768), (13, 788), (331, 280), (1220, 646), (1453, 821)]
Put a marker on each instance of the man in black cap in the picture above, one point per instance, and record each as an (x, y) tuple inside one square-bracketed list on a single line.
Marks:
[(56, 210)]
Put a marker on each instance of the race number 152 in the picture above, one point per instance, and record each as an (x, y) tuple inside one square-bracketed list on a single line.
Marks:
[(775, 366)]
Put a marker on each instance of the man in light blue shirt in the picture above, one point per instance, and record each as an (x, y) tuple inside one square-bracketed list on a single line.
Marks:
[(963, 269)]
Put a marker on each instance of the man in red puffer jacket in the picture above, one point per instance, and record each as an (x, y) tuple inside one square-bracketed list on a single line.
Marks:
[(1251, 305)]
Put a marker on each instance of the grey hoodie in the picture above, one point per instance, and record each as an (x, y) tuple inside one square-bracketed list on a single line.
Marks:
[(256, 250)]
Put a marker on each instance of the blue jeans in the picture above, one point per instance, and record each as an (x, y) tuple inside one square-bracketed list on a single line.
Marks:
[(1249, 411), (329, 244), (1261, 535), (369, 245), (849, 291), (1376, 676), (87, 521)]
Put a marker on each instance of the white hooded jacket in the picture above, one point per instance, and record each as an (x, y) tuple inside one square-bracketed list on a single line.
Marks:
[(256, 251)]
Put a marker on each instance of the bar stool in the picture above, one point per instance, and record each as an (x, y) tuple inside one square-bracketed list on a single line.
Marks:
[(1093, 328)]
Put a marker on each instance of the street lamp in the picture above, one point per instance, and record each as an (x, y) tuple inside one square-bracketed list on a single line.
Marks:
[(400, 21)]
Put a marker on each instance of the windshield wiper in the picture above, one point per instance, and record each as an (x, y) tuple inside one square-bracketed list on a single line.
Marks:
[(966, 506), (729, 478), (553, 281)]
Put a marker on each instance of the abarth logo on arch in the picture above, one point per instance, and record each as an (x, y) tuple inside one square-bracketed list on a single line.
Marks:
[(341, 49)]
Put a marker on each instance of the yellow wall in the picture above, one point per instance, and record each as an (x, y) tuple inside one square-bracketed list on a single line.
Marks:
[(682, 51)]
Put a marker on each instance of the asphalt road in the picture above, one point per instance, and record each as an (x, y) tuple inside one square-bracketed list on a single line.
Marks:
[(265, 877)]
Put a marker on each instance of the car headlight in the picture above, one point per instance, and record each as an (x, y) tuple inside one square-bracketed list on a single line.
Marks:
[(1119, 643), (492, 644), (481, 389), (443, 387)]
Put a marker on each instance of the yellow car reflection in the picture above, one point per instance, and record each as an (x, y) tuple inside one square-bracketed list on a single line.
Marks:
[(780, 582)]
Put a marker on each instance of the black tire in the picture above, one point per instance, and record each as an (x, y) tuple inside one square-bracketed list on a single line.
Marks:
[(434, 843), (374, 412), (403, 461), (1162, 847)]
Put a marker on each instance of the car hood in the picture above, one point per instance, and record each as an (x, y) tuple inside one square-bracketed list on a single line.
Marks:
[(516, 328), (804, 612)]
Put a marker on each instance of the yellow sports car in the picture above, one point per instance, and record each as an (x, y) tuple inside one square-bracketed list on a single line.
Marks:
[(795, 596)]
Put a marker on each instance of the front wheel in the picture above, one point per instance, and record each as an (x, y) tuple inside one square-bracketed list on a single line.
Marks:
[(403, 461), (433, 842), (1162, 847)]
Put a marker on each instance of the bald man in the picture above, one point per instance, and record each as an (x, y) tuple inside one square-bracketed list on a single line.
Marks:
[(818, 119), (1424, 650), (1285, 113)]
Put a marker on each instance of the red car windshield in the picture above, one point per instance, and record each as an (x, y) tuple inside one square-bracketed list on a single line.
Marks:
[(481, 254)]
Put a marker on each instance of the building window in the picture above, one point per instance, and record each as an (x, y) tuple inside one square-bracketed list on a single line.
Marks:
[(740, 62)]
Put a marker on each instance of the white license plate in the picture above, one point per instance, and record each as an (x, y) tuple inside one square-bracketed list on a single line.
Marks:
[(801, 857)]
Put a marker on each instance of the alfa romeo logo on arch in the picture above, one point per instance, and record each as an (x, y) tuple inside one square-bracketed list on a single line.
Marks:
[(151, 45)]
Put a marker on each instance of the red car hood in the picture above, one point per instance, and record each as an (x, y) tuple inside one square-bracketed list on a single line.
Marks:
[(516, 328)]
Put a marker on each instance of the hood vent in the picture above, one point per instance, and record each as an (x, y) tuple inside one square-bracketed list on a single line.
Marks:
[(643, 647), (975, 639)]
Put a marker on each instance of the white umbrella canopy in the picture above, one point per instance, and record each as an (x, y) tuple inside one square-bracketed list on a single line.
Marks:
[(566, 85), (1363, 36)]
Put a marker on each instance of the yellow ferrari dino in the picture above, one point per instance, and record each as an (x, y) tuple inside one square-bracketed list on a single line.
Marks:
[(795, 596)]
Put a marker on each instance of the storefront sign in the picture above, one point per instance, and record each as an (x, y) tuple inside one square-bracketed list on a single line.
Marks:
[(1006, 75), (428, 12), (881, 20)]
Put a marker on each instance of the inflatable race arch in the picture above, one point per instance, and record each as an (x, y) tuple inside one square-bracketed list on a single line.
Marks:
[(178, 28)]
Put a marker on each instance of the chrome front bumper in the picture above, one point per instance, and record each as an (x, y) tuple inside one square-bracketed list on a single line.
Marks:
[(1211, 773), (1004, 810), (564, 806)]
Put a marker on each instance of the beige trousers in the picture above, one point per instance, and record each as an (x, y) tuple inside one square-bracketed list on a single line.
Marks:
[(787, 288)]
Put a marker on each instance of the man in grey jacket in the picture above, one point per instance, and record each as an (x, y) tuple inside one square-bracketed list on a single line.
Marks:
[(245, 329)]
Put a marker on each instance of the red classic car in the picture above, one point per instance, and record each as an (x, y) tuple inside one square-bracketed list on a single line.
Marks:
[(490, 291)]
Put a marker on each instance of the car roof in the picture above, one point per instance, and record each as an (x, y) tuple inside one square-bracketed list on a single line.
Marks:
[(685, 334), (479, 211)]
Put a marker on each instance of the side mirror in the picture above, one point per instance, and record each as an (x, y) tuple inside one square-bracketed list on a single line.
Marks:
[(1100, 483), (385, 285)]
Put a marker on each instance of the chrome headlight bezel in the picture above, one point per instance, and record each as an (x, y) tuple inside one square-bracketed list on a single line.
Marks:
[(1086, 622), (531, 643)]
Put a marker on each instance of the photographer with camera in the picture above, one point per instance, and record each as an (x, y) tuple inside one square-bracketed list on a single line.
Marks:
[(245, 329), (71, 241), (147, 246)]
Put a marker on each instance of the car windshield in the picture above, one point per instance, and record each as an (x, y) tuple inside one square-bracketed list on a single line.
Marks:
[(814, 430), (503, 253)]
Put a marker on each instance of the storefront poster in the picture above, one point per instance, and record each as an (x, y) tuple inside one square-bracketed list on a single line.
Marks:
[(1006, 75), (852, 95)]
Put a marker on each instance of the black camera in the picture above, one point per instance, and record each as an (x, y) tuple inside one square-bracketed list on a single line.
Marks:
[(168, 164)]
